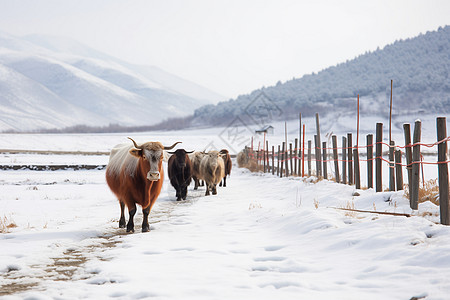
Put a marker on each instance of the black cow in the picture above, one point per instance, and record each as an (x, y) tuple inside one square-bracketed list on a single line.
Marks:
[(180, 172)]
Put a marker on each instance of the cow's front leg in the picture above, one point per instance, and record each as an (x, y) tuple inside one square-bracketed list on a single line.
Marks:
[(145, 225), (225, 181), (214, 189), (196, 182), (207, 190), (122, 215), (184, 192), (130, 225), (178, 194)]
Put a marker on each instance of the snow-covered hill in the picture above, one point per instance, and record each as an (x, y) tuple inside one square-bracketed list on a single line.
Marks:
[(48, 82)]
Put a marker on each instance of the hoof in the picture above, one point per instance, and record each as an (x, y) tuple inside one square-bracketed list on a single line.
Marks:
[(145, 229), (121, 225), (178, 199)]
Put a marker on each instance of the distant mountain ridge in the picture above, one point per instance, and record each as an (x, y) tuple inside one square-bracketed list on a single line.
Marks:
[(419, 68), (48, 82)]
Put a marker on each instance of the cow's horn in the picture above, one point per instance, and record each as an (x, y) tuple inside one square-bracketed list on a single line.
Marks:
[(171, 147), (189, 152), (135, 145)]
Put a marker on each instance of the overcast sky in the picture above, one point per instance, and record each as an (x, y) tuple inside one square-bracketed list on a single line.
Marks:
[(231, 47)]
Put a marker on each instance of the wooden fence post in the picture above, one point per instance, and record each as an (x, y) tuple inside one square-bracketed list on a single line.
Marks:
[(378, 156), (318, 165), (391, 166), (264, 160), (273, 160), (408, 154), (300, 147), (444, 204), (369, 139), (317, 155), (398, 169), (309, 158), (290, 159), (350, 159), (414, 202), (267, 156), (296, 156), (357, 172), (278, 161), (283, 159), (344, 158), (335, 158), (324, 154)]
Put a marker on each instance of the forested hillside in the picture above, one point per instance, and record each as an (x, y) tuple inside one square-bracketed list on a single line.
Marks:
[(419, 68)]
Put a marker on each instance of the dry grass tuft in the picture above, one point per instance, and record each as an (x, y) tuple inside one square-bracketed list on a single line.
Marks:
[(427, 192), (6, 224)]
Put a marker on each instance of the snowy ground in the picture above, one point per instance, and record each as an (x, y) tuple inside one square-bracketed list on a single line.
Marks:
[(260, 238)]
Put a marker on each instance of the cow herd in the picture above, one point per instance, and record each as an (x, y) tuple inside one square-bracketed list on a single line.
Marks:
[(135, 175)]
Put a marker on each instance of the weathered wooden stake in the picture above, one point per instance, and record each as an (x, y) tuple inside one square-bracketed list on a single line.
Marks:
[(317, 155), (267, 156), (264, 160), (273, 160), (357, 172), (444, 203), (335, 158), (344, 158), (301, 149), (319, 167), (324, 154), (408, 153), (296, 156), (278, 161), (398, 169), (414, 201), (309, 158), (283, 158), (391, 166), (369, 139), (350, 158), (378, 156), (290, 157)]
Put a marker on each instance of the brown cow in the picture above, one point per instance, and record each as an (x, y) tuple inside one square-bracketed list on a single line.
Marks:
[(196, 159), (135, 175), (212, 170), (227, 161)]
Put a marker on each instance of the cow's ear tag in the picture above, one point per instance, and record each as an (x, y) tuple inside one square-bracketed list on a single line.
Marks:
[(136, 152)]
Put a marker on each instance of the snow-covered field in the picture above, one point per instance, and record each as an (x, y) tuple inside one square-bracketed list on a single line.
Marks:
[(261, 237)]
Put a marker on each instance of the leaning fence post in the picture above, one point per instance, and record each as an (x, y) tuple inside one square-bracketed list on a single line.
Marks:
[(335, 158), (344, 160), (369, 160), (357, 172), (444, 203), (309, 158), (398, 169), (350, 159), (324, 154), (391, 166), (378, 156), (408, 153), (414, 202)]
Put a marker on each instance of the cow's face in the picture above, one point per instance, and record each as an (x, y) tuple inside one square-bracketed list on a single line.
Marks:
[(180, 157), (151, 153)]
